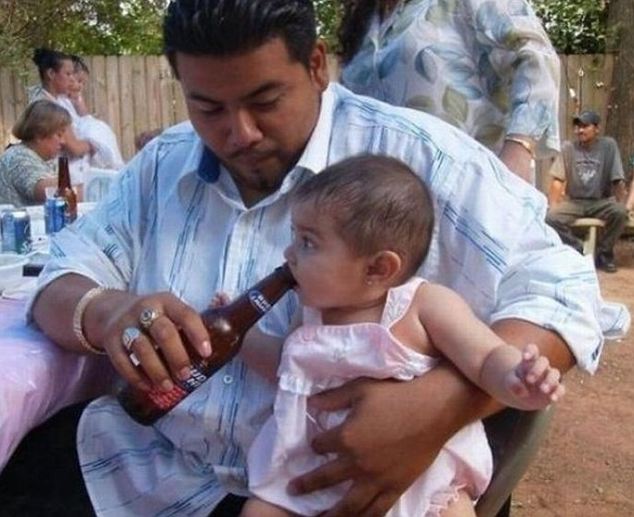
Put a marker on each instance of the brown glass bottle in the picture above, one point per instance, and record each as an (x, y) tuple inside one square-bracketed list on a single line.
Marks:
[(65, 190), (227, 326)]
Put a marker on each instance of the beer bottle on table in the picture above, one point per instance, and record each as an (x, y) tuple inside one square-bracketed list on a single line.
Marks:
[(65, 190), (227, 326)]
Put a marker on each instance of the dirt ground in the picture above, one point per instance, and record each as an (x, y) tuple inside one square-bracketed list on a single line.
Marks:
[(585, 467)]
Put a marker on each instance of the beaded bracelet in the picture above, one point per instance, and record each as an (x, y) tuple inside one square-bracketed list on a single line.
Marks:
[(78, 317)]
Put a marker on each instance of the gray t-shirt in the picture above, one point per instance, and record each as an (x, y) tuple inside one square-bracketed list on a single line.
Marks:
[(589, 172)]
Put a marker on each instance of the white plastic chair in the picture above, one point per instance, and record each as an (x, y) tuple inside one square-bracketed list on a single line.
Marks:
[(97, 183)]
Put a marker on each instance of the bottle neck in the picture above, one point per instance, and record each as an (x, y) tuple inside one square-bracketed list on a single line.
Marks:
[(63, 174), (250, 306)]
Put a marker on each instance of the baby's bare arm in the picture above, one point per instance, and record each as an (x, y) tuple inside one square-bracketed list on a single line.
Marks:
[(518, 378)]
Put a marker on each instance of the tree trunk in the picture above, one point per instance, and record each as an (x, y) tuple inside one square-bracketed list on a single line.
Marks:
[(620, 118)]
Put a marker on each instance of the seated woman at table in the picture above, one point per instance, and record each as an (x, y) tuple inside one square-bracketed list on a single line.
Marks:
[(25, 170)]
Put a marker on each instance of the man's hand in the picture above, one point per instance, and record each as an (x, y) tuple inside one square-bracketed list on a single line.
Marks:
[(395, 429), (159, 349), (387, 441)]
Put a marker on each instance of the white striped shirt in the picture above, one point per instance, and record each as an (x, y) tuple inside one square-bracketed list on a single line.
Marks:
[(175, 221)]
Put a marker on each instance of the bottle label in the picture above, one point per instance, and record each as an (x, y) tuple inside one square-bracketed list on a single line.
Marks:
[(258, 300), (166, 400)]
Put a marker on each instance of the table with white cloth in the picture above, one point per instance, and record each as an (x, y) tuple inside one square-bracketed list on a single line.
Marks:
[(37, 378)]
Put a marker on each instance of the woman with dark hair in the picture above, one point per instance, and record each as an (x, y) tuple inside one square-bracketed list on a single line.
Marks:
[(57, 74), (25, 171), (485, 66)]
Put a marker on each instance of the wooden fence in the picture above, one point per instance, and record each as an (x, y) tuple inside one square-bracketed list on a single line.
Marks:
[(131, 93), (137, 93)]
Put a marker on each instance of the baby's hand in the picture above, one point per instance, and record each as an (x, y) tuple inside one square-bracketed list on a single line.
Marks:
[(534, 381), (219, 300)]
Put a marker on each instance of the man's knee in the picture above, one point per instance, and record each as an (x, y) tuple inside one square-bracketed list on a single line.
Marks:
[(619, 212)]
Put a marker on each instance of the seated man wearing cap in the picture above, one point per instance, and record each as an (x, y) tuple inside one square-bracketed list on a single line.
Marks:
[(590, 173)]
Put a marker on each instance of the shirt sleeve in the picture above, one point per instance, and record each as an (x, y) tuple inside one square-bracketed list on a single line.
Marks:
[(519, 50), (25, 170), (494, 247), (616, 171)]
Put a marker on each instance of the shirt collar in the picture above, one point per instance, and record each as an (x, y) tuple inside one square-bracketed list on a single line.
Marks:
[(315, 155)]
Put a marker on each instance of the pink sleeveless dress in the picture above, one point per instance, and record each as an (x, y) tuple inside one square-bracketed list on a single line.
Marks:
[(317, 357)]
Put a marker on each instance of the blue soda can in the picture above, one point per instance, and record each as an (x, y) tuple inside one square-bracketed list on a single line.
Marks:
[(54, 214), (16, 231)]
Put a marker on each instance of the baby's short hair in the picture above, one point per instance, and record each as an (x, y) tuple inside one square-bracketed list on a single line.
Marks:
[(377, 203)]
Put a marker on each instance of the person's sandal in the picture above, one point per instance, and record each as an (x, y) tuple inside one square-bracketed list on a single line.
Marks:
[(605, 263)]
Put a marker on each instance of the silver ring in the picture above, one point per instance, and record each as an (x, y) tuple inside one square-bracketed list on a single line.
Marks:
[(128, 337), (148, 317)]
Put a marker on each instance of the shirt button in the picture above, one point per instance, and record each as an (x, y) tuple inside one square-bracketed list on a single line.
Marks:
[(227, 379)]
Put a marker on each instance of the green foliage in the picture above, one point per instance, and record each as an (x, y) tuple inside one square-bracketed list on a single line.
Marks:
[(328, 15), (114, 27), (575, 26), (23, 24), (88, 27)]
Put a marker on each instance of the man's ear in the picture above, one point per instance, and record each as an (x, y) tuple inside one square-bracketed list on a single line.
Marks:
[(383, 268), (318, 65)]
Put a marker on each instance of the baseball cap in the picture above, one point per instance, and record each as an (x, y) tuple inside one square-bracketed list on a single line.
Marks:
[(586, 118)]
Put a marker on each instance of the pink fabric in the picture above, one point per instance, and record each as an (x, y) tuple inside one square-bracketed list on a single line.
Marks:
[(37, 378), (318, 357)]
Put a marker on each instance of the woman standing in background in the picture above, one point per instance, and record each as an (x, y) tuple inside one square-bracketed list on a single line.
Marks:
[(485, 66), (57, 74), (106, 149)]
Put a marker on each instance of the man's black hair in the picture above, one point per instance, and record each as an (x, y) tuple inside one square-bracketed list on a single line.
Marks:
[(230, 27)]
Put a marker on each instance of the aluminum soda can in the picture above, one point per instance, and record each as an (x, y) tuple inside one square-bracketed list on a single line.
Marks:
[(54, 214), (16, 231)]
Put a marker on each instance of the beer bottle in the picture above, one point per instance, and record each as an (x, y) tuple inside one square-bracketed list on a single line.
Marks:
[(65, 190), (227, 326)]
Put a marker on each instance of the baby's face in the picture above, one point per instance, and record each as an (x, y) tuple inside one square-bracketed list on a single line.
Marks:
[(329, 275)]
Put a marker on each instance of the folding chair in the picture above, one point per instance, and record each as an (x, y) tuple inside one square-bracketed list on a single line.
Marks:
[(515, 437)]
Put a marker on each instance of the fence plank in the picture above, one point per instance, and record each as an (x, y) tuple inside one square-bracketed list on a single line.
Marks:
[(166, 87), (20, 84), (7, 105), (127, 111), (98, 100), (112, 111), (155, 99), (139, 95)]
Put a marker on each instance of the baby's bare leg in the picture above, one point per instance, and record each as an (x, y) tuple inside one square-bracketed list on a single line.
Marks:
[(258, 508), (461, 507)]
